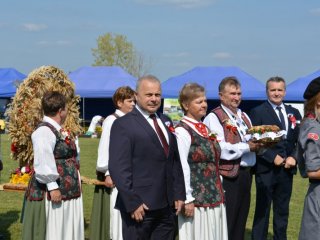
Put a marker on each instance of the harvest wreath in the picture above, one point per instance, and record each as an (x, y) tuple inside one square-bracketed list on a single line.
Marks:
[(25, 113)]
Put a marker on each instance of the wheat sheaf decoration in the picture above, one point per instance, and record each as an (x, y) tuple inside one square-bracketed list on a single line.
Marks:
[(25, 112)]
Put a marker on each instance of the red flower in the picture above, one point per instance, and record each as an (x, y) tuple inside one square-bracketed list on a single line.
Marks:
[(207, 172), (292, 119), (171, 129), (28, 169), (18, 171), (213, 136), (13, 148)]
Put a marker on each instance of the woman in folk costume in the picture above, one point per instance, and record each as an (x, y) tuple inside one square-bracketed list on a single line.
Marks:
[(53, 207), (204, 215), (48, 214), (123, 100)]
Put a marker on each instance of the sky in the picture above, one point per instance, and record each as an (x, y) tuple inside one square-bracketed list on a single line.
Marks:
[(263, 38)]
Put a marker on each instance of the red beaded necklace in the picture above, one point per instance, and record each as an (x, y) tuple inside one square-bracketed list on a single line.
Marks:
[(201, 127)]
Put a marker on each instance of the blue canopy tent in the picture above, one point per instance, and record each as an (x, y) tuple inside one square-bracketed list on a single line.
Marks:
[(10, 79), (100, 81), (96, 86), (296, 88), (210, 77)]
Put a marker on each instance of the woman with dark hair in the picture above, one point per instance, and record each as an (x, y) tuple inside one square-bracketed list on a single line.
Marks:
[(309, 160), (53, 206), (123, 100), (204, 216)]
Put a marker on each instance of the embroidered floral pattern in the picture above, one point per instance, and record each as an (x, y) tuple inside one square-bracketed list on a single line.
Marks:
[(67, 166), (203, 160)]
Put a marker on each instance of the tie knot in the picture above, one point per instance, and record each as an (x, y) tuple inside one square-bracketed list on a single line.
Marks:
[(278, 108), (153, 116)]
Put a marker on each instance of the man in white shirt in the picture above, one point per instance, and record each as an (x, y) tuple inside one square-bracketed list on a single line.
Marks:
[(237, 154)]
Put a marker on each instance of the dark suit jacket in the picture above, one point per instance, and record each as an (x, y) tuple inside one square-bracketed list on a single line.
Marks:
[(139, 167), (264, 114)]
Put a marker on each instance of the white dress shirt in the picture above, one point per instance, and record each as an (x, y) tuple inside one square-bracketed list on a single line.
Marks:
[(232, 151), (150, 121), (103, 149), (283, 110)]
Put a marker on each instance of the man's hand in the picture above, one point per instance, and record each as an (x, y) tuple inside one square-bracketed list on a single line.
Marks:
[(108, 182), (178, 205), (189, 209), (55, 196), (290, 162), (139, 213), (278, 161)]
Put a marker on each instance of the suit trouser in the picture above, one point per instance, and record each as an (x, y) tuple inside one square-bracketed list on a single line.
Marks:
[(237, 193), (156, 225), (272, 187)]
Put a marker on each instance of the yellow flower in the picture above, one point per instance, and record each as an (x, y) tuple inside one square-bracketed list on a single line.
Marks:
[(20, 178)]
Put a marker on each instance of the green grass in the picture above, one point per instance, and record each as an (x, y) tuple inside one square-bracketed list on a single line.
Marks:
[(11, 202)]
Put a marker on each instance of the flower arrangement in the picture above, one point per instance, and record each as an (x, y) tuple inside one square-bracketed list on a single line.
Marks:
[(65, 135), (21, 175), (229, 125), (293, 120), (213, 136), (170, 127)]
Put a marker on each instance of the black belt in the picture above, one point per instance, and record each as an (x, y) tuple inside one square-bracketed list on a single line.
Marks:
[(314, 180), (247, 169)]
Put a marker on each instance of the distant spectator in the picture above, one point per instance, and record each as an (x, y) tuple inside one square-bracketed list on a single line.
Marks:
[(96, 120)]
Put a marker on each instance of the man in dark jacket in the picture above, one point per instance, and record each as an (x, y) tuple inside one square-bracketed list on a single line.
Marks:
[(275, 166), (145, 166)]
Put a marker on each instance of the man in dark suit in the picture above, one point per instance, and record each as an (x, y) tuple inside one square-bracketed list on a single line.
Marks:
[(146, 168), (275, 166)]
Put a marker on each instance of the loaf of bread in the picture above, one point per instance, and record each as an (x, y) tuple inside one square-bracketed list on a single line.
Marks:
[(263, 129)]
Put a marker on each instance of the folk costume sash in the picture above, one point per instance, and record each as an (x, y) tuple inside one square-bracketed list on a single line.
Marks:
[(203, 160), (229, 168), (65, 153)]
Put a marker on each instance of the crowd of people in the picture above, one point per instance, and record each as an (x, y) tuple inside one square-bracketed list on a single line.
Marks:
[(192, 180)]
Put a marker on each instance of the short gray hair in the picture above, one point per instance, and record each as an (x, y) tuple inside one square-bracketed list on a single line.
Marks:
[(149, 77)]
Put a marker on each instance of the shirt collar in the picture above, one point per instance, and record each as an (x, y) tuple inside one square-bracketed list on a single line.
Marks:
[(190, 119), (144, 113), (119, 113), (230, 113), (52, 122), (274, 106)]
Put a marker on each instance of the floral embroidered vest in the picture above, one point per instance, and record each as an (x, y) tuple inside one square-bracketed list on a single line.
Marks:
[(229, 168), (67, 166), (203, 161)]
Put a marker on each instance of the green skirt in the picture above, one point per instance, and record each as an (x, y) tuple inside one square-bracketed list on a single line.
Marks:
[(34, 220), (100, 215)]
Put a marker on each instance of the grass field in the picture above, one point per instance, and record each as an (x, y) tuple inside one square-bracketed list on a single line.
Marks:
[(11, 202)]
